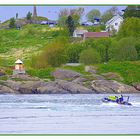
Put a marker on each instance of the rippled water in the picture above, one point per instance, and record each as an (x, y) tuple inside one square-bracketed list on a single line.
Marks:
[(67, 114)]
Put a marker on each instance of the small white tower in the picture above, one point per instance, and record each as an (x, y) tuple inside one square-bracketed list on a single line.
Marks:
[(19, 68)]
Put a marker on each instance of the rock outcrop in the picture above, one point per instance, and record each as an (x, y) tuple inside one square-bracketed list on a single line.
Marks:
[(65, 74), (137, 86), (111, 86)]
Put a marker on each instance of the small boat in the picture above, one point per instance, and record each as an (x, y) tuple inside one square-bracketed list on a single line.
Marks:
[(107, 100)]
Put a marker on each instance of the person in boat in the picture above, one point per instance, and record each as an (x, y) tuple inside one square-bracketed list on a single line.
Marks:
[(120, 99)]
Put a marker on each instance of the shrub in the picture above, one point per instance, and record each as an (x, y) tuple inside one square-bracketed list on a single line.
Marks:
[(130, 27), (12, 23), (137, 46), (73, 52), (55, 54), (89, 56), (126, 50)]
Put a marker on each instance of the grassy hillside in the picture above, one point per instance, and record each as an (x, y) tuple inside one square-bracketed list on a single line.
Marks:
[(32, 38), (25, 42)]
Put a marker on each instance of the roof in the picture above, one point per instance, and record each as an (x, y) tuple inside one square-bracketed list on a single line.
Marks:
[(18, 62), (114, 18), (96, 34)]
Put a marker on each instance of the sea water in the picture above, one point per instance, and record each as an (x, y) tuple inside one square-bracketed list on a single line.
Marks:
[(67, 114)]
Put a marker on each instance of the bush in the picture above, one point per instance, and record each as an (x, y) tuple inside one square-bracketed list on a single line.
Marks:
[(55, 54), (137, 46), (89, 56), (73, 52), (130, 27), (12, 23), (126, 50)]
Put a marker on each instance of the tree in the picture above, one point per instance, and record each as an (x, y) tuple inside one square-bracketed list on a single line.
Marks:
[(73, 52), (16, 15), (12, 23), (129, 27), (103, 45), (137, 46), (109, 14), (55, 54), (29, 16), (74, 13), (89, 56), (132, 11), (70, 25), (126, 50), (93, 14)]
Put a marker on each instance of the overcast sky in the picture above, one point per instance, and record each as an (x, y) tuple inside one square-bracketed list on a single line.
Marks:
[(51, 12)]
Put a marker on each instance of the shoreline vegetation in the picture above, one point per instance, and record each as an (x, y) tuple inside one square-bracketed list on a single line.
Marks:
[(105, 65)]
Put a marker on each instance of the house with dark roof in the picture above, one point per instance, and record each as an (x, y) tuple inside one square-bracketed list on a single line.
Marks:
[(96, 35)]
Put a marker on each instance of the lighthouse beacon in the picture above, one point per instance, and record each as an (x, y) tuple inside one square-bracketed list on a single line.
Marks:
[(19, 68)]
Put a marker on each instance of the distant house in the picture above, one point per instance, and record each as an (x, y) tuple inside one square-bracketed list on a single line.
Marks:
[(87, 23), (48, 23), (96, 21), (96, 35), (79, 33), (114, 23)]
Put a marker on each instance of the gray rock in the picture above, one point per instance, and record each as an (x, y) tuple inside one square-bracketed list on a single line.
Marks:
[(98, 77), (106, 86), (65, 74), (50, 90), (72, 87), (112, 76), (30, 87), (90, 69), (79, 80), (5, 89), (137, 86)]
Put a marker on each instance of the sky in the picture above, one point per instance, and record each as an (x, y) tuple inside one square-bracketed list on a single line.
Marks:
[(51, 12)]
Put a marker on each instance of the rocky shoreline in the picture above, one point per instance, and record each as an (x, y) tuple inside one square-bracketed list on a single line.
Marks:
[(67, 81)]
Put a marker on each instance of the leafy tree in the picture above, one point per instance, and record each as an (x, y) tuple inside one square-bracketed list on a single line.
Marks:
[(12, 23), (74, 13), (89, 56), (55, 54), (93, 14), (126, 50), (109, 14), (129, 27), (137, 46), (16, 15), (132, 11), (103, 45), (73, 52), (29, 16), (70, 25)]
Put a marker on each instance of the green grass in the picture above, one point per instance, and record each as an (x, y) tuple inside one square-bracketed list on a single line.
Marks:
[(79, 69), (41, 73), (130, 71), (31, 35)]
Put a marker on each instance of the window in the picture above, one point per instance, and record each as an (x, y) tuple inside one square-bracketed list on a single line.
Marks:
[(116, 24)]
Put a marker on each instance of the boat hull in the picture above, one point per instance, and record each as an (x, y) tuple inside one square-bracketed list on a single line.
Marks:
[(106, 100)]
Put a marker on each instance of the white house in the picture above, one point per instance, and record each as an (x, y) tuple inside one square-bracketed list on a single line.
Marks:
[(79, 33), (114, 23)]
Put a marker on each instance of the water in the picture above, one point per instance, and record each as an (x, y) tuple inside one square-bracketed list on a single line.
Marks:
[(67, 114)]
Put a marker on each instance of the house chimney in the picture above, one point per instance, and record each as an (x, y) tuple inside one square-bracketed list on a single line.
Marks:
[(35, 12)]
